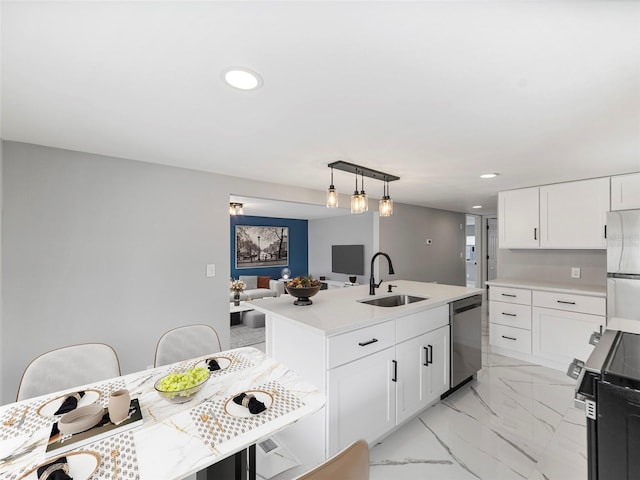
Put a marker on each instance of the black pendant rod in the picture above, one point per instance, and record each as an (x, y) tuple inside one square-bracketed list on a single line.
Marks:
[(367, 172)]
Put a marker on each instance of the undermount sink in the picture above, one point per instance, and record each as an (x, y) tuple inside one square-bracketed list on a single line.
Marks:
[(393, 300)]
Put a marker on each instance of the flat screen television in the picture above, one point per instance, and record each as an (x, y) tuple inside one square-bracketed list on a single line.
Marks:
[(347, 259)]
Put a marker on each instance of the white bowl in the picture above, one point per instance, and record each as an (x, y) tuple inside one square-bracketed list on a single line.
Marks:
[(80, 419)]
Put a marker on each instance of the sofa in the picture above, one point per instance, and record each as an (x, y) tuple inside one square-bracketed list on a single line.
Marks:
[(256, 287)]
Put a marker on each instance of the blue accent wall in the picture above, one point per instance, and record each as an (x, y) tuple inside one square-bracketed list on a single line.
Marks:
[(298, 246)]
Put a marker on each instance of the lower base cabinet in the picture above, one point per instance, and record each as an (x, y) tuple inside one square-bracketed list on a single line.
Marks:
[(423, 372), (562, 336), (370, 396), (362, 399)]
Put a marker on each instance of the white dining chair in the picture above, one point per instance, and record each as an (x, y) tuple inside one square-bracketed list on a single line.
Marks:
[(186, 342), (68, 367), (351, 463)]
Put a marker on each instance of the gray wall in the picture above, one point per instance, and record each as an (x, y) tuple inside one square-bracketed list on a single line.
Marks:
[(554, 265), (97, 248), (1, 343), (403, 235), (345, 230), (108, 250)]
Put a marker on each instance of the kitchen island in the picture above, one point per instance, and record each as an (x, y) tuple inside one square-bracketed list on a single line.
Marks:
[(378, 366)]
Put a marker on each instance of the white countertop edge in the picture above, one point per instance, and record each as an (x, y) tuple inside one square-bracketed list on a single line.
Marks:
[(624, 325), (368, 315), (591, 290)]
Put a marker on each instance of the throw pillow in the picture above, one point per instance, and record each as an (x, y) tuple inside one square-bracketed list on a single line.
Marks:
[(263, 282), (250, 280)]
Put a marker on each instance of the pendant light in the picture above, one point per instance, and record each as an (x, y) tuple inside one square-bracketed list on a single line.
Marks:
[(355, 199), (386, 203), (332, 194), (236, 208), (359, 199), (364, 200)]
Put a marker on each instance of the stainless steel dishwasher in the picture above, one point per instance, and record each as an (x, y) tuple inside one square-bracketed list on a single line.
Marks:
[(466, 340)]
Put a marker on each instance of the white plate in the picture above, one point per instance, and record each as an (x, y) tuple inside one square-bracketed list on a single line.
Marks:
[(51, 407), (224, 362), (235, 410), (82, 464)]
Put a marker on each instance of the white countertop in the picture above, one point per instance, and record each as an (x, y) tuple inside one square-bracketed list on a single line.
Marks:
[(338, 310), (624, 325), (592, 290)]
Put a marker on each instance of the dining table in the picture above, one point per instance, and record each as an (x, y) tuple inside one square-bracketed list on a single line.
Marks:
[(173, 440)]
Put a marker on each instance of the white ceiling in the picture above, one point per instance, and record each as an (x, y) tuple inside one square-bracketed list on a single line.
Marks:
[(434, 92)]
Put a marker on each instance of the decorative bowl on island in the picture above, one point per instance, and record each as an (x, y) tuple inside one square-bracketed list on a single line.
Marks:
[(180, 387), (302, 288)]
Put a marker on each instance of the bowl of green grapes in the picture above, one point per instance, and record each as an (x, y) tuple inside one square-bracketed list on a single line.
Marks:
[(180, 387)]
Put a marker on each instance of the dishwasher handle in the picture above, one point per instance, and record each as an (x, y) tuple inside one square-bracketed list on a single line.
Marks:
[(465, 304)]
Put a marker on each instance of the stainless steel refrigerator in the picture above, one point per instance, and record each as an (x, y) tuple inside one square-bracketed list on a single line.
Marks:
[(623, 264)]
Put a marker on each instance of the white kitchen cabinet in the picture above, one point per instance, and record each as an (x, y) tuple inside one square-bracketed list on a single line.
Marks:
[(519, 218), (625, 191), (549, 327), (560, 336), (423, 372), (574, 214), (361, 399), (569, 215)]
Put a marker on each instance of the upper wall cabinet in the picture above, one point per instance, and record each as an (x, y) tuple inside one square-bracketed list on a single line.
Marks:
[(519, 218), (574, 214), (568, 215), (625, 191)]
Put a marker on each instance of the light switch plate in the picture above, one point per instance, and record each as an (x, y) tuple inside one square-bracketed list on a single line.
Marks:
[(575, 272), (211, 270)]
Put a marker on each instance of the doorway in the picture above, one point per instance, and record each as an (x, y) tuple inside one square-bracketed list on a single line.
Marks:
[(473, 247)]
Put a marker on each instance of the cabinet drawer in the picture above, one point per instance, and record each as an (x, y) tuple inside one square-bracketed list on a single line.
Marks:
[(510, 314), (510, 337), (570, 302), (418, 323), (359, 343), (510, 295)]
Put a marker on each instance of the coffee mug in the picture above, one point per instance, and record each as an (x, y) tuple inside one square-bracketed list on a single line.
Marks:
[(119, 405)]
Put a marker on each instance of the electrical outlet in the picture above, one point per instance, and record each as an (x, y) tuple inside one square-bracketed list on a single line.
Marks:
[(428, 241), (575, 272)]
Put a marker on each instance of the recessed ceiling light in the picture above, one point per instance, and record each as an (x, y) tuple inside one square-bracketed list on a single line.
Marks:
[(488, 175), (477, 206), (242, 78)]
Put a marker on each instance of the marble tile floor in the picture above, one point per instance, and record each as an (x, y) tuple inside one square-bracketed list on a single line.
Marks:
[(515, 421)]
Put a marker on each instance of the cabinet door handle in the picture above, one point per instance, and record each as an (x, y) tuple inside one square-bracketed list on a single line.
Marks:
[(364, 344), (565, 302), (509, 314), (508, 295), (605, 231), (430, 355), (426, 357), (535, 233), (395, 371), (509, 338)]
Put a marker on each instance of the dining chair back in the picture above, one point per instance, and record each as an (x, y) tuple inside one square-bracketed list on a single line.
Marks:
[(186, 342), (68, 367), (352, 463)]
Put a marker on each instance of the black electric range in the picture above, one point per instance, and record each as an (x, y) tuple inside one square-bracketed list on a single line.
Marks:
[(609, 389)]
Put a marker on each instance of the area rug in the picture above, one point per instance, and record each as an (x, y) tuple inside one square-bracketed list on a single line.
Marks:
[(243, 336)]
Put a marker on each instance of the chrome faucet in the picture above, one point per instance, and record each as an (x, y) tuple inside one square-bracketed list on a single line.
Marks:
[(372, 281)]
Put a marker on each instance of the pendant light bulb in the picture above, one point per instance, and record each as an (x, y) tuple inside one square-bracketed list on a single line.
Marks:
[(386, 203), (355, 199), (332, 194)]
